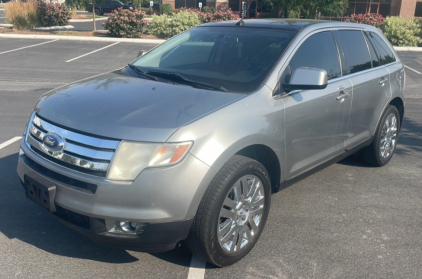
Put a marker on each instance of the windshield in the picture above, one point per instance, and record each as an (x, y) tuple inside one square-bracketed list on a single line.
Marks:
[(236, 58)]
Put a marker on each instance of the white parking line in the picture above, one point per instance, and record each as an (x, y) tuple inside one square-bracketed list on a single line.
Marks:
[(92, 52), (413, 70), (27, 47), (197, 268), (9, 142)]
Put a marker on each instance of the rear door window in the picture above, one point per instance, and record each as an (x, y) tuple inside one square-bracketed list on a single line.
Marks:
[(318, 51), (385, 54), (356, 54)]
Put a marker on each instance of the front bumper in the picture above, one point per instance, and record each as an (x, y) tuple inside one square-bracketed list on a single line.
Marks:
[(164, 200)]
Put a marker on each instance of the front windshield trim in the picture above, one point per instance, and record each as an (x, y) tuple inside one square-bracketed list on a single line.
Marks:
[(227, 31)]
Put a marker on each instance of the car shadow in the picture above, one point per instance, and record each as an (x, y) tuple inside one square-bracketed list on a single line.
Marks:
[(409, 141), (23, 220)]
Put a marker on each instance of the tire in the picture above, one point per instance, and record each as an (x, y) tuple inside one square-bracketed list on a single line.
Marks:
[(381, 150), (248, 220), (97, 11)]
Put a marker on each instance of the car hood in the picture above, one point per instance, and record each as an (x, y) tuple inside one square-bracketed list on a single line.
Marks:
[(117, 106)]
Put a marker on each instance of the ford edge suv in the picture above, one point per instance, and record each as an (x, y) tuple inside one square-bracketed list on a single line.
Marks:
[(189, 141)]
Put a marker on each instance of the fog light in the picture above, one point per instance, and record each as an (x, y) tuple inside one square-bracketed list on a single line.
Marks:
[(138, 227), (126, 227)]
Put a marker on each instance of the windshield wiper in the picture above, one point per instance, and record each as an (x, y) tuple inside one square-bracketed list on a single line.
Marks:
[(181, 79), (141, 73)]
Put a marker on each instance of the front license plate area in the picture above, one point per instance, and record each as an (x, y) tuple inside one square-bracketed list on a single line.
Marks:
[(41, 191)]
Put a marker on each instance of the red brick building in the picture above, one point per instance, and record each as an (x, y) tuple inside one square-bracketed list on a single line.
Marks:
[(255, 8)]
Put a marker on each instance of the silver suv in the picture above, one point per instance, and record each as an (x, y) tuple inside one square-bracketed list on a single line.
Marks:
[(190, 140)]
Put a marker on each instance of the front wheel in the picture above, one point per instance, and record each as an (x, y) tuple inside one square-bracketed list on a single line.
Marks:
[(97, 11), (232, 213), (381, 150)]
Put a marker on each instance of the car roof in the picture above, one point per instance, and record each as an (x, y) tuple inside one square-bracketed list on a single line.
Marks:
[(286, 24)]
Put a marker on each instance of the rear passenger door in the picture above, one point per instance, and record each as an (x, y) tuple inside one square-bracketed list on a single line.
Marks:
[(370, 81), (387, 58), (316, 121)]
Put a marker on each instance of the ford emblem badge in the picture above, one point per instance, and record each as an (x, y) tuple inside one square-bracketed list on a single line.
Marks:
[(53, 142)]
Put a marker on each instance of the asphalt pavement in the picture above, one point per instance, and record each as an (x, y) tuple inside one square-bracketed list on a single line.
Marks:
[(2, 16), (346, 221)]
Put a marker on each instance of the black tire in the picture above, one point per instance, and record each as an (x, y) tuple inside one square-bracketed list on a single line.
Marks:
[(372, 153), (97, 11), (203, 240)]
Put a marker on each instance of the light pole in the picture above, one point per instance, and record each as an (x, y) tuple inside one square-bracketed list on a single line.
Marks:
[(93, 15)]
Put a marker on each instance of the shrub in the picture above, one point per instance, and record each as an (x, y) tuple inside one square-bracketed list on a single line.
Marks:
[(166, 26), (208, 9), (403, 31), (167, 9), (126, 23), (23, 15), (222, 16), (211, 17), (159, 26), (50, 14), (370, 19)]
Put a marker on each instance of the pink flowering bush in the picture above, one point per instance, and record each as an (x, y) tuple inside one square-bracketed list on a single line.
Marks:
[(50, 14), (212, 17), (376, 20), (126, 23)]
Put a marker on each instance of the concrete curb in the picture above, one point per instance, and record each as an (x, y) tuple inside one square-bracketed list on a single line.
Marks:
[(418, 49), (54, 28), (83, 38), (6, 25), (87, 20)]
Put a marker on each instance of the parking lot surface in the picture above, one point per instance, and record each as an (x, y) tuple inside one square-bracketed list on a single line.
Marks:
[(346, 221)]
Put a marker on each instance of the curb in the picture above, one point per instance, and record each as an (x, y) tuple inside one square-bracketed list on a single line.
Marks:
[(418, 49), (82, 38), (87, 20), (54, 28)]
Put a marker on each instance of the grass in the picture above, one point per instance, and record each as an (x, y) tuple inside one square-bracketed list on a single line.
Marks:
[(23, 15)]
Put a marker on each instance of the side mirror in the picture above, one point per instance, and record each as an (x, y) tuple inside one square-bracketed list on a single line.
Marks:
[(304, 78), (142, 53)]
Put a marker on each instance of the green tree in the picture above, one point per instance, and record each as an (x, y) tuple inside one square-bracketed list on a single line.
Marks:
[(310, 8)]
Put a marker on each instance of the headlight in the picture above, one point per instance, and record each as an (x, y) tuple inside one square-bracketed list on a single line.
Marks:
[(133, 157)]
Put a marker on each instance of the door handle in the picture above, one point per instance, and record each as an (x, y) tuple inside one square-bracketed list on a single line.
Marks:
[(383, 81), (343, 95)]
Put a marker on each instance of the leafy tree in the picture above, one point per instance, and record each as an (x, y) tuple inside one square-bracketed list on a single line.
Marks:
[(310, 8)]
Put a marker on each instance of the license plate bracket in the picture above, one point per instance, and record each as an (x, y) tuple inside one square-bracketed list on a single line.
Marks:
[(41, 191)]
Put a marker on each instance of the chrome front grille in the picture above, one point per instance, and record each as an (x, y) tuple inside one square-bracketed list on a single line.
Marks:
[(83, 153)]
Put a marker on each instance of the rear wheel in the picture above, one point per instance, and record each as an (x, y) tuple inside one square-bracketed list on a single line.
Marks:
[(381, 150), (97, 11), (232, 213)]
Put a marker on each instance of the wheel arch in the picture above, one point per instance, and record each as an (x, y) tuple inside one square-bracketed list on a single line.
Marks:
[(399, 104), (268, 158)]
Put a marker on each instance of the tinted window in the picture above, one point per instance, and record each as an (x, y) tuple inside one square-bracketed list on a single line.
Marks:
[(385, 54), (356, 51), (318, 51), (374, 55), (238, 59)]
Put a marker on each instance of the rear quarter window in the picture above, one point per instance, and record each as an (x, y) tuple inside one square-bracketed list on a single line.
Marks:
[(385, 54)]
